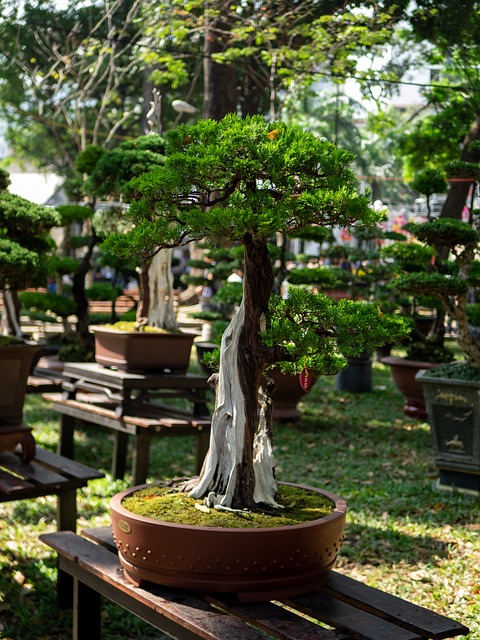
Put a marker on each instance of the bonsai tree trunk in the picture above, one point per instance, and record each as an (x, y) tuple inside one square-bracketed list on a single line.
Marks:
[(238, 475), (160, 281), (11, 314)]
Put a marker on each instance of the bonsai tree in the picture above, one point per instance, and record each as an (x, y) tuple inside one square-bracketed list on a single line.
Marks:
[(428, 182), (451, 281), (109, 178), (243, 181), (25, 247)]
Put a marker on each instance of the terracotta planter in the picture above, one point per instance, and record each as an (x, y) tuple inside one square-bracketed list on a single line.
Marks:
[(403, 374), (15, 365), (142, 352), (288, 393), (453, 408), (255, 564)]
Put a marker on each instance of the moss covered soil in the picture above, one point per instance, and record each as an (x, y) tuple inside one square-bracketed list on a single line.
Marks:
[(171, 505)]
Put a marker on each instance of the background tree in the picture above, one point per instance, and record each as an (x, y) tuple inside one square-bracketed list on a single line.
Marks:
[(25, 246), (71, 74)]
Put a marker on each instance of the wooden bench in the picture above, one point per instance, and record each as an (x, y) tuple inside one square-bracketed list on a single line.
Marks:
[(47, 474), (142, 424), (351, 610), (44, 381)]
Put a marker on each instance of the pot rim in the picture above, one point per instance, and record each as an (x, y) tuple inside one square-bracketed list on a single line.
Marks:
[(340, 508), (164, 332)]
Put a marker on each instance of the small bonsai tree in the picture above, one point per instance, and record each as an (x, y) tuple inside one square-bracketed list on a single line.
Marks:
[(243, 181), (25, 248), (109, 178)]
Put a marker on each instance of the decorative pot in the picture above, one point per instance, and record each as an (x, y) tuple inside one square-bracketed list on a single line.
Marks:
[(142, 352), (255, 564), (453, 408), (288, 391), (15, 365), (403, 374)]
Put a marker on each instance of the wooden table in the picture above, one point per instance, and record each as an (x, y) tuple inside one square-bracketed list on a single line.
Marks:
[(128, 404), (130, 390), (351, 609)]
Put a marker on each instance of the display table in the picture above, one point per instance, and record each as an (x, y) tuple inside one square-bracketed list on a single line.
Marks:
[(134, 405)]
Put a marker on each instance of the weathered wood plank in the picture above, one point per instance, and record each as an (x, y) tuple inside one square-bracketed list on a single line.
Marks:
[(10, 484), (361, 625), (70, 468), (411, 616), (33, 471)]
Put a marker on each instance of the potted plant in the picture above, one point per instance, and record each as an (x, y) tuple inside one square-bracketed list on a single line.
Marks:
[(425, 348), (153, 342), (24, 248), (452, 390), (242, 181)]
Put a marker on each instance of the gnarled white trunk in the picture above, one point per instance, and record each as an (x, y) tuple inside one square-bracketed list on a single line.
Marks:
[(161, 312), (223, 467)]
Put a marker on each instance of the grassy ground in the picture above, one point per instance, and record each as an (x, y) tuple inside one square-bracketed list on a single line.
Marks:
[(403, 536)]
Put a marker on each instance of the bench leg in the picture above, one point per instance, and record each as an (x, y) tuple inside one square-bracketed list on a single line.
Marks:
[(65, 446), (119, 459), (67, 510), (141, 453), (87, 610)]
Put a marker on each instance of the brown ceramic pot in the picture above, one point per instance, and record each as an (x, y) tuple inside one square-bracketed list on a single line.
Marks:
[(254, 564), (142, 352), (403, 374), (15, 365)]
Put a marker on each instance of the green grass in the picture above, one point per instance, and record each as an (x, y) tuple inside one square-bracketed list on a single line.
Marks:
[(402, 535)]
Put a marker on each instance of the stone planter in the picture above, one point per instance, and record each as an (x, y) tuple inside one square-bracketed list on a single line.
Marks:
[(403, 374), (142, 352), (453, 408), (255, 564)]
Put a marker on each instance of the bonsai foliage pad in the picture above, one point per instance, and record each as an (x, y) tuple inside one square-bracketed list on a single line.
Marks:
[(255, 564)]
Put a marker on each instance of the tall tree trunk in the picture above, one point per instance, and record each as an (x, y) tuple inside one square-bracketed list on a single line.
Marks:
[(220, 80), (241, 474), (458, 191)]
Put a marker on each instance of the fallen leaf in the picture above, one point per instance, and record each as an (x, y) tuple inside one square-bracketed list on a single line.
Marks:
[(202, 507)]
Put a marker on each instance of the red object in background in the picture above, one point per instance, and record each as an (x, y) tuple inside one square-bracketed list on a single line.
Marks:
[(306, 379)]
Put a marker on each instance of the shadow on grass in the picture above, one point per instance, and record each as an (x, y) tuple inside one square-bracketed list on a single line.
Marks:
[(384, 546)]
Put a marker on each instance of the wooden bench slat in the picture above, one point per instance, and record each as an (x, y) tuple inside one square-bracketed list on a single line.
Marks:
[(358, 623), (31, 471), (391, 607), (270, 617), (70, 468), (11, 484), (152, 418), (181, 608)]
